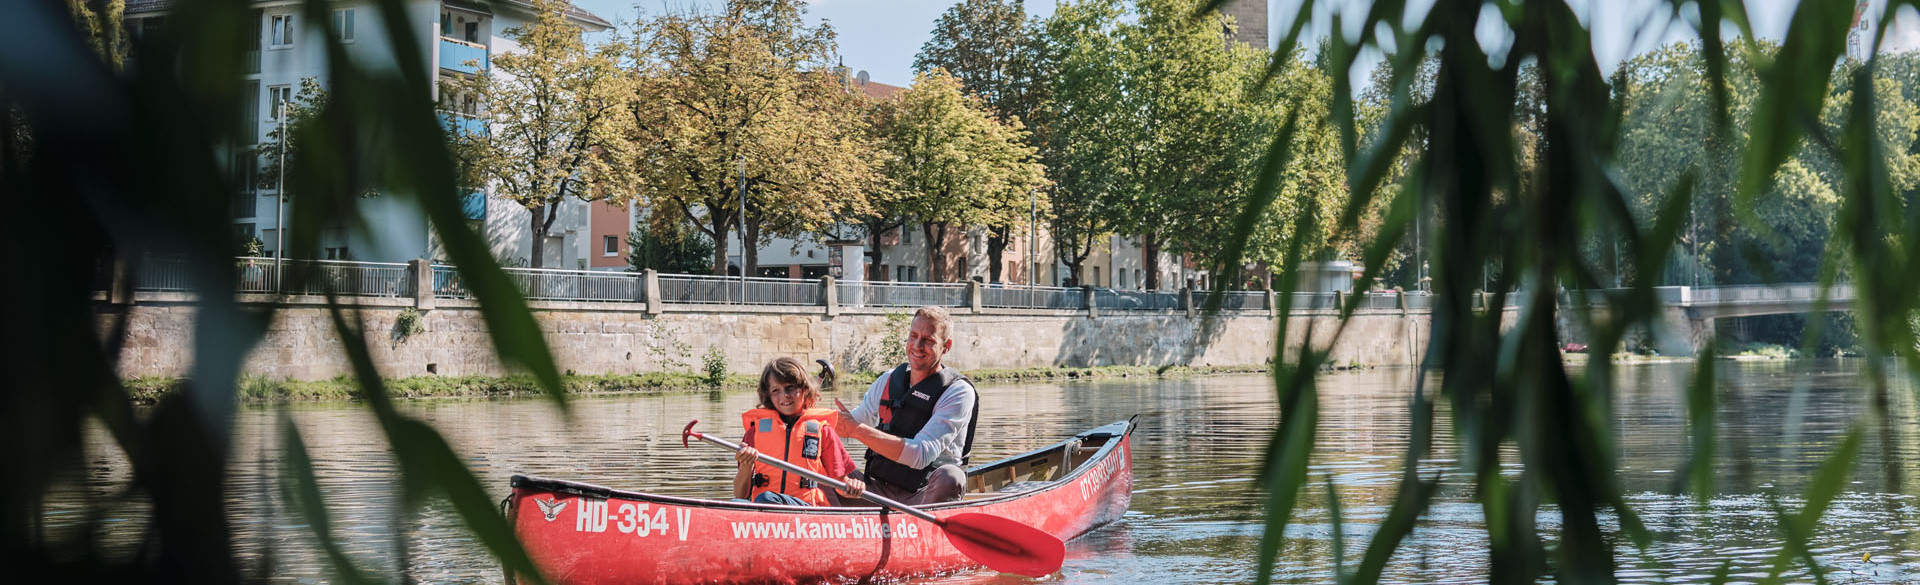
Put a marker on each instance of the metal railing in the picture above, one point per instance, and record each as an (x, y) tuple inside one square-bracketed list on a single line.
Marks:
[(540, 284), (1232, 300), (366, 279), (1107, 299), (387, 279), (902, 294), (704, 290), (1038, 297)]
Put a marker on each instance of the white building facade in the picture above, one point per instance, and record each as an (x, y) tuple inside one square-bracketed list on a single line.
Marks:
[(457, 38)]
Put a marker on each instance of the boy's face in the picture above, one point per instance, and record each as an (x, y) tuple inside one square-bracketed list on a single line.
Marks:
[(786, 398)]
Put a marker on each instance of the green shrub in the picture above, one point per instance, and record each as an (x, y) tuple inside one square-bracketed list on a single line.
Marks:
[(716, 365)]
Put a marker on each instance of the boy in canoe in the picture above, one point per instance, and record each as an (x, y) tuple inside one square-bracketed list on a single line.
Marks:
[(787, 426)]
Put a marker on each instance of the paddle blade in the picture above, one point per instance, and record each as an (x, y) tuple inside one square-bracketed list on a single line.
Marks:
[(1004, 545)]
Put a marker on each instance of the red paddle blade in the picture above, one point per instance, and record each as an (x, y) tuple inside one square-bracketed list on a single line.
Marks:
[(1004, 545)]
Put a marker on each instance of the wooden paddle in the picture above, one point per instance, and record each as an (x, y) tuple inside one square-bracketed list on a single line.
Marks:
[(1000, 544)]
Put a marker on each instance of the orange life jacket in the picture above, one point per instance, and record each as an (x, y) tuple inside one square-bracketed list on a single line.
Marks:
[(800, 447)]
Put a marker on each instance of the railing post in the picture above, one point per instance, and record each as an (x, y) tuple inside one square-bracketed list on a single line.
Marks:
[(830, 296), (119, 288), (973, 296), (1093, 312), (1186, 300), (1273, 304), (650, 287), (1402, 298), (422, 273)]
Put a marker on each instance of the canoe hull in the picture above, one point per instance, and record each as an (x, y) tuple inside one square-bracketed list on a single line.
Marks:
[(582, 534)]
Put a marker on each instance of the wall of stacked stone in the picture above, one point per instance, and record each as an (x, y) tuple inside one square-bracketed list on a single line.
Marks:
[(613, 338)]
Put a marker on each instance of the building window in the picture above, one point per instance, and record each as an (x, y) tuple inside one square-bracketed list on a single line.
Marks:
[(1096, 276), (278, 96), (469, 105), (339, 253), (906, 235), (612, 245), (250, 115), (343, 25), (473, 31), (280, 32), (1139, 279)]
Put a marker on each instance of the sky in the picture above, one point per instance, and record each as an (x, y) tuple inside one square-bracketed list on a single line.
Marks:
[(882, 36)]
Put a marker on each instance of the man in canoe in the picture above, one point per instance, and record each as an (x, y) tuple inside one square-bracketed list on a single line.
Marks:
[(917, 420)]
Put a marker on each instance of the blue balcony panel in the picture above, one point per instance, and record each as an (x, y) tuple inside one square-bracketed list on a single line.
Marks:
[(474, 205), (462, 56), (464, 124)]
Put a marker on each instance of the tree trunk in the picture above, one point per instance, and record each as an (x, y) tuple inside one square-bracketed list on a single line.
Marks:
[(539, 237), (936, 268), (720, 245), (750, 249), (996, 251), (875, 271), (1150, 258)]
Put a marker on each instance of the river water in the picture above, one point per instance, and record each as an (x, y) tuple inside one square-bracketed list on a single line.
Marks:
[(1191, 520)]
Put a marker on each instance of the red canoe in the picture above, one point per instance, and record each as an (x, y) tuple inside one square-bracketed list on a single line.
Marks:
[(586, 534)]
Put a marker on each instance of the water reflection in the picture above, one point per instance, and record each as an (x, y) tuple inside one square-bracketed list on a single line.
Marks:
[(1193, 518)]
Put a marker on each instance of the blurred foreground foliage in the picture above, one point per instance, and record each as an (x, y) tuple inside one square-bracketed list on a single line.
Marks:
[(1523, 168), (103, 164)]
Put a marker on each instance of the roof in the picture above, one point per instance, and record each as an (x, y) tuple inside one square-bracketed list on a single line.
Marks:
[(578, 14), (877, 90)]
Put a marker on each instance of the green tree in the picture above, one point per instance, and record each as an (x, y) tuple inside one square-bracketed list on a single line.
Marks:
[(1086, 127), (953, 164), (666, 246), (557, 123), (751, 86), (299, 113), (991, 48)]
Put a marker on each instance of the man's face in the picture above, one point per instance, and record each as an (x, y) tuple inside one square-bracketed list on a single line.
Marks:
[(925, 345)]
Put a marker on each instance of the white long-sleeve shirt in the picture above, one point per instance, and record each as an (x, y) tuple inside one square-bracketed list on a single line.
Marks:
[(941, 440)]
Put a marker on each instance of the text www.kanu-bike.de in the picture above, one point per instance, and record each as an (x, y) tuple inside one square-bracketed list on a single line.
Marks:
[(853, 528)]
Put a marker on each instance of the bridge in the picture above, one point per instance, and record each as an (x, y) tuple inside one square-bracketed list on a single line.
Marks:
[(1685, 323)]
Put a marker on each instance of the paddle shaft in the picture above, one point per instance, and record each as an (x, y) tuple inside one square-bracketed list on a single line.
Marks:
[(828, 481)]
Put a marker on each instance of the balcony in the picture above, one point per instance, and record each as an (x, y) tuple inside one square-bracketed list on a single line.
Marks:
[(463, 124), (462, 56), (474, 205)]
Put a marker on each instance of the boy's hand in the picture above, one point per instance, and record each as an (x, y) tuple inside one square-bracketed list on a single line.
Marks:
[(843, 422), (854, 487), (746, 456)]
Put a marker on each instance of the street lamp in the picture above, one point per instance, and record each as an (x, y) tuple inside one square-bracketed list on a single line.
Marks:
[(1033, 235), (280, 199)]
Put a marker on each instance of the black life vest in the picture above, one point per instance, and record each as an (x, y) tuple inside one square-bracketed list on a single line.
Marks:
[(904, 411)]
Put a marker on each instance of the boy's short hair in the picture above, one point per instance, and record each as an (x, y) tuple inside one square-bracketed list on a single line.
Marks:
[(789, 372)]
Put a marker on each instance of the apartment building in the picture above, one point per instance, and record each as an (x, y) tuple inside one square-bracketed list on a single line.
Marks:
[(459, 38)]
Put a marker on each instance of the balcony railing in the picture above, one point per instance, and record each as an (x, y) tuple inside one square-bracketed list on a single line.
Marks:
[(464, 124), (462, 56)]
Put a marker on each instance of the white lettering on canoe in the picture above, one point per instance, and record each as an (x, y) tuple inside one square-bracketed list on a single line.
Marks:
[(591, 516), (629, 518), (1098, 477), (798, 528)]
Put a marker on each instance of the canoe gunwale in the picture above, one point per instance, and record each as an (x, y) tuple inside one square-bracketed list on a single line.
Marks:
[(1116, 433)]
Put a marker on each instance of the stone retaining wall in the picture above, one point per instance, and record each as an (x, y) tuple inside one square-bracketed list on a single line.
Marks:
[(610, 338)]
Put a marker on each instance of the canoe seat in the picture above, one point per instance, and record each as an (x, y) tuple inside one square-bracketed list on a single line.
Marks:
[(1023, 486)]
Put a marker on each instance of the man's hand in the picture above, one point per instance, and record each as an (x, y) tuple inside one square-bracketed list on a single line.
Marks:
[(843, 422), (746, 457), (854, 487)]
